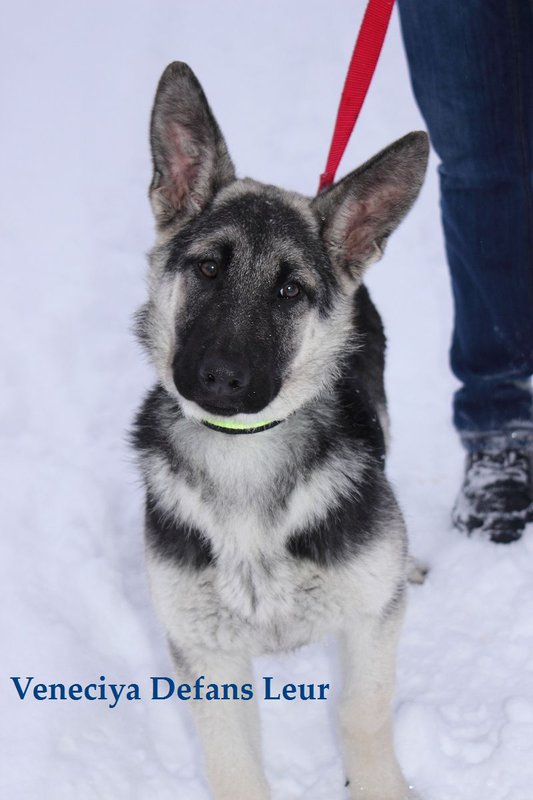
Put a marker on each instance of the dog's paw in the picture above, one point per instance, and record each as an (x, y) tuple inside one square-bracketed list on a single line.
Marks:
[(416, 573)]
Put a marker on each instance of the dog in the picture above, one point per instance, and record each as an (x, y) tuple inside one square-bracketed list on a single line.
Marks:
[(269, 519)]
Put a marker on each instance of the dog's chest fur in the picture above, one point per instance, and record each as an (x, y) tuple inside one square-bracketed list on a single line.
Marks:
[(241, 500)]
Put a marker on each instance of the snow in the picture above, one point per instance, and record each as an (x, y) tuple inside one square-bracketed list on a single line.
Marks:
[(77, 85)]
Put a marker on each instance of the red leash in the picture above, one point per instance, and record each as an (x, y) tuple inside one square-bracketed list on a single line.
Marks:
[(360, 72)]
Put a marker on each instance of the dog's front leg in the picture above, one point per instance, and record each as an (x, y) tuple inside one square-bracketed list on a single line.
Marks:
[(228, 729), (369, 649)]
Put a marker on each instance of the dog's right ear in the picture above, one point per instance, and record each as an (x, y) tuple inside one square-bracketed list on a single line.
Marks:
[(190, 158)]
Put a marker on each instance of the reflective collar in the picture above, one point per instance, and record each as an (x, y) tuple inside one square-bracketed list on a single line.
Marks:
[(224, 426)]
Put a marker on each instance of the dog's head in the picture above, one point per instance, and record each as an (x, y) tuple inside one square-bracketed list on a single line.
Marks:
[(251, 286)]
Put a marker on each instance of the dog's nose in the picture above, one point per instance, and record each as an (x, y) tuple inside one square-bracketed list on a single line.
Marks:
[(224, 376)]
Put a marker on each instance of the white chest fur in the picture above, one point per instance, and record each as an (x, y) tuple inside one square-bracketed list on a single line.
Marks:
[(234, 496), (256, 595)]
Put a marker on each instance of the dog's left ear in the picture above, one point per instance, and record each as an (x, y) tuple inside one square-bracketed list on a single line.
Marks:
[(190, 158), (360, 212)]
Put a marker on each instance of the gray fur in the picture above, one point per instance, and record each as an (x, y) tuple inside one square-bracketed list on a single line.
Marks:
[(264, 542), (190, 158)]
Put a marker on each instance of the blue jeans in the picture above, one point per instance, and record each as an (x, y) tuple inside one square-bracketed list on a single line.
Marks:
[(471, 64)]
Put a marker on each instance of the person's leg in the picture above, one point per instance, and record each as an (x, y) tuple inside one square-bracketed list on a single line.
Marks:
[(471, 67)]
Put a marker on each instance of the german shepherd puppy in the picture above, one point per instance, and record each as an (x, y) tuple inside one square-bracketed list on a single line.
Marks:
[(269, 519)]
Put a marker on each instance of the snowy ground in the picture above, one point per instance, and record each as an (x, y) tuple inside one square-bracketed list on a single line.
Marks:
[(77, 85)]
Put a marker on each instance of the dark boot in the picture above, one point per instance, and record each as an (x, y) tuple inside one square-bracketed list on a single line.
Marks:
[(496, 496)]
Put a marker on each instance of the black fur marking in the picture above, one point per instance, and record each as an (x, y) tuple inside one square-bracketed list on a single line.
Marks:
[(317, 450), (151, 434), (361, 389), (148, 434), (369, 361), (176, 541), (346, 528)]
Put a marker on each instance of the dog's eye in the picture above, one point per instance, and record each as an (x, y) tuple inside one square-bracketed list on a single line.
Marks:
[(290, 290), (209, 269)]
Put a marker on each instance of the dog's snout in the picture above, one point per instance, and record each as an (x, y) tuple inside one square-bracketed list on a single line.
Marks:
[(224, 376), (225, 380)]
